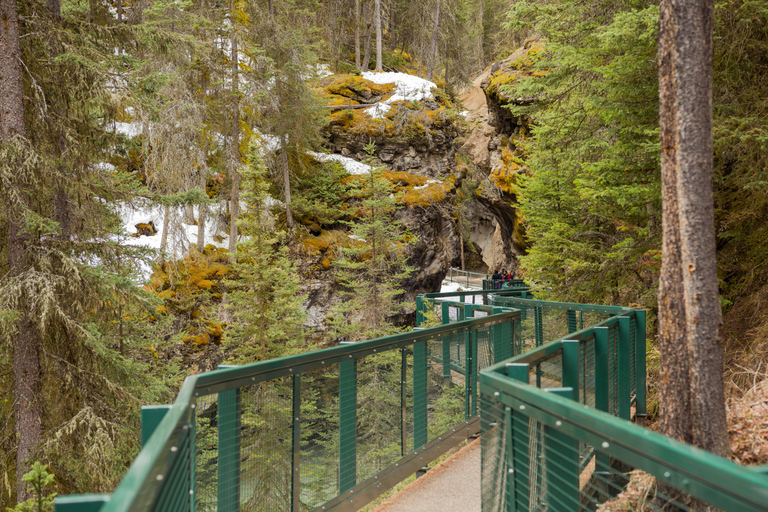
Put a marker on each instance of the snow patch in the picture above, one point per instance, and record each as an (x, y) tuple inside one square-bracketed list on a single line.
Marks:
[(428, 183), (350, 164), (409, 88), (128, 129)]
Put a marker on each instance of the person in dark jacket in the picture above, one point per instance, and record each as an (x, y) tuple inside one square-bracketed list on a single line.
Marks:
[(496, 279)]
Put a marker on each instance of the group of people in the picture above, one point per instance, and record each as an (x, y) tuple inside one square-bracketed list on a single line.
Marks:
[(499, 277)]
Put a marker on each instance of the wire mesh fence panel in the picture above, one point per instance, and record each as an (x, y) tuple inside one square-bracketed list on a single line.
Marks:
[(265, 449), (206, 453), (379, 412), (320, 442), (613, 370), (494, 469), (484, 348), (445, 400), (549, 372), (587, 371)]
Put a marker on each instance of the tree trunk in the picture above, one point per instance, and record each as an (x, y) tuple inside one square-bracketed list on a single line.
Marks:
[(234, 208), (461, 241), (202, 214), (286, 183), (357, 34), (166, 229), (28, 409), (703, 313), (367, 44), (433, 42), (377, 23), (481, 35), (692, 397)]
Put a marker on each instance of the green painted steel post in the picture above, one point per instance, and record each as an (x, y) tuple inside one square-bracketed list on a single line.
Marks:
[(403, 402), (640, 355), (602, 398), (539, 327), (347, 425), (80, 503), (229, 451), (419, 394), (570, 316), (151, 416), (446, 310), (193, 461), (623, 374), (467, 374), (296, 446), (419, 310), (562, 455), (474, 366), (570, 362), (509, 458), (523, 307), (520, 439)]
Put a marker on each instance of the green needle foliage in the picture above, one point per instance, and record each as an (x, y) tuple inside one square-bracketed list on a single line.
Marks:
[(591, 201), (266, 297), (374, 264)]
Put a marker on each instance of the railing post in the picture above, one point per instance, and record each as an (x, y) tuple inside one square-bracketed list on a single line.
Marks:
[(419, 394), (509, 458), (519, 463), (503, 339), (570, 364), (640, 355), (296, 445), (538, 326), (347, 425), (602, 398), (468, 373), (623, 374), (446, 310), (229, 451), (151, 416), (562, 456), (419, 310), (570, 316), (474, 364), (228, 498)]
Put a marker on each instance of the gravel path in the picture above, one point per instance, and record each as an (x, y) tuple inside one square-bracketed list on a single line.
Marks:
[(452, 486)]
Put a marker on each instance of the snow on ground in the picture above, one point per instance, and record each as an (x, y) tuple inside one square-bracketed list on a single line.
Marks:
[(409, 88), (351, 165), (180, 236), (428, 183), (128, 129)]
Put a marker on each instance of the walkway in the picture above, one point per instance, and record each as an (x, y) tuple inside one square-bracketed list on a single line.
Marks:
[(451, 486)]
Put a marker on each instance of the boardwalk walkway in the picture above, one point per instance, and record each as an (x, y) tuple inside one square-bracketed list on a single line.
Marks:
[(452, 486)]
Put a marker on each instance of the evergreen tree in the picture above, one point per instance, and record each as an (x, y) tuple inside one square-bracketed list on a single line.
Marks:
[(591, 200), (266, 297), (373, 266)]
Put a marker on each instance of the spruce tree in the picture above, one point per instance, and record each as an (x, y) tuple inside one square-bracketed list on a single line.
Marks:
[(266, 297), (373, 266)]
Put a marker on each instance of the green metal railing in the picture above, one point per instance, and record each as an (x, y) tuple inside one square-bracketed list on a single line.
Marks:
[(333, 429), (466, 278), (556, 434), (325, 430)]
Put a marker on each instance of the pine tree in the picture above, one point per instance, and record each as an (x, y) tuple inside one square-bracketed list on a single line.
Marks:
[(266, 298), (374, 264)]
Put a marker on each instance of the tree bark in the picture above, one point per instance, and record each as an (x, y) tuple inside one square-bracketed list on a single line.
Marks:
[(692, 396), (26, 344), (286, 183), (674, 387), (357, 35), (377, 23), (234, 208), (367, 44), (433, 42), (703, 313)]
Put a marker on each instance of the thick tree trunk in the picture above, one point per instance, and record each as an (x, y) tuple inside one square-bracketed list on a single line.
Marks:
[(202, 214), (481, 34), (674, 387), (692, 397), (28, 410), (166, 229), (693, 79), (357, 34), (377, 23), (433, 42)]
